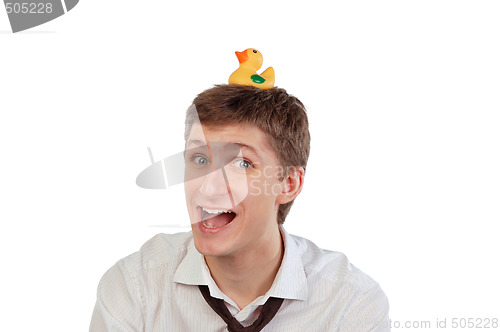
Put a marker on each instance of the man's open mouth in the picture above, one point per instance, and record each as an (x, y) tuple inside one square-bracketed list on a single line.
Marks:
[(215, 218)]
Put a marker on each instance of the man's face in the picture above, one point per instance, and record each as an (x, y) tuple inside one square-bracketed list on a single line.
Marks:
[(248, 187)]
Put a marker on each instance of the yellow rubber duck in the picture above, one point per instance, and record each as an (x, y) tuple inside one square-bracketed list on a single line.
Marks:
[(251, 61)]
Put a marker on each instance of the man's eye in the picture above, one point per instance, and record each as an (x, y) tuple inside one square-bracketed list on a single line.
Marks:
[(242, 163), (200, 160)]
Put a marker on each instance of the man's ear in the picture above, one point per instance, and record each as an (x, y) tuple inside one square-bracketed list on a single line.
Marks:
[(291, 185)]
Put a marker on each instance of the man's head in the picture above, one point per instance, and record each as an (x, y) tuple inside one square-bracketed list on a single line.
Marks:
[(246, 152), (280, 116)]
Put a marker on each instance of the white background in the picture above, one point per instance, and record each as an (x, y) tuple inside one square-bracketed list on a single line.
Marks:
[(403, 102)]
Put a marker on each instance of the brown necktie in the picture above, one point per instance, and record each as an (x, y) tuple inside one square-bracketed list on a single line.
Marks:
[(269, 310)]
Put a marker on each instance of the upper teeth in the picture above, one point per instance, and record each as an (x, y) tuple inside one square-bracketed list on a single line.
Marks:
[(216, 211)]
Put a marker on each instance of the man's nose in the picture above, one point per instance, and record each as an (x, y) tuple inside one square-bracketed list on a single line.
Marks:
[(214, 184)]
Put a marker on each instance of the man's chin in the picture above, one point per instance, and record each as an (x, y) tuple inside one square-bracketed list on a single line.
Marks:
[(209, 249)]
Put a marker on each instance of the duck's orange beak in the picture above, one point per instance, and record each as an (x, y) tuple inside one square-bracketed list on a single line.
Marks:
[(242, 56)]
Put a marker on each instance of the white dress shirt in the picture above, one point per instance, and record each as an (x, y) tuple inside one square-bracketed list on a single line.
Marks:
[(156, 289)]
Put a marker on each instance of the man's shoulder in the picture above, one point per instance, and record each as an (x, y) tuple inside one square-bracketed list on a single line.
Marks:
[(122, 291), (357, 302), (330, 266)]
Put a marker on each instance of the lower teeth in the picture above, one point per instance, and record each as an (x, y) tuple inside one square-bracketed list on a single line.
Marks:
[(212, 227)]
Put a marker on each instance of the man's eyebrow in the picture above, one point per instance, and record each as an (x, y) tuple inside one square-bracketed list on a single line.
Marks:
[(196, 142), (242, 146), (250, 149)]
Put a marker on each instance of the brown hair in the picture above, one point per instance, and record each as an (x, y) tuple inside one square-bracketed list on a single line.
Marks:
[(281, 116)]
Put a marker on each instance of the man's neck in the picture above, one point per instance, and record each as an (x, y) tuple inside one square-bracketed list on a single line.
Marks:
[(250, 273)]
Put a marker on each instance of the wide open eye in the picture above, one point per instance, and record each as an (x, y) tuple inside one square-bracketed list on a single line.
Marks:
[(255, 51), (243, 163), (200, 160)]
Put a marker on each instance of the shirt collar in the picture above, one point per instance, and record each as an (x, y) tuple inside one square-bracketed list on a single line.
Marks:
[(190, 270), (290, 281)]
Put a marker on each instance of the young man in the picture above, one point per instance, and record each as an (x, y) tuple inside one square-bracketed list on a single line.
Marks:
[(238, 269)]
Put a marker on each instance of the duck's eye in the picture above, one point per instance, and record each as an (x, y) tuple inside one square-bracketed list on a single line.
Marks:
[(255, 51)]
